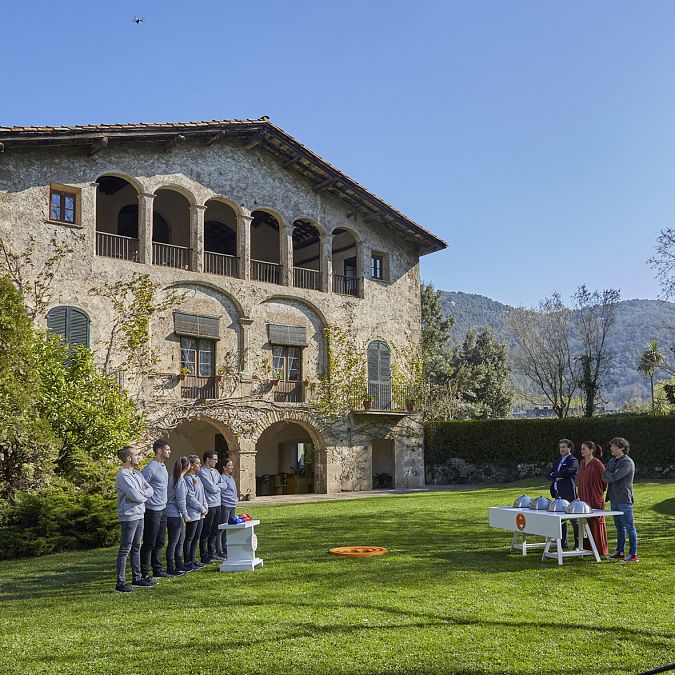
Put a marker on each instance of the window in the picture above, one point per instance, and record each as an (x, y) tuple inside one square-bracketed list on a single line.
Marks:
[(287, 363), (70, 323), (62, 206), (377, 266), (379, 374), (197, 356)]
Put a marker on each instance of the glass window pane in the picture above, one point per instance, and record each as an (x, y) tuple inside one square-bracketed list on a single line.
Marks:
[(55, 206), (70, 202), (69, 216), (278, 354), (205, 363), (293, 364)]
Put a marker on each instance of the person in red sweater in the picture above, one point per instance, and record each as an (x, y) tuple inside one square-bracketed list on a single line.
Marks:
[(591, 489)]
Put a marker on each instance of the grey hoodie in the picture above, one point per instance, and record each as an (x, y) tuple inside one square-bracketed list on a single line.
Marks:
[(176, 505), (228, 491), (211, 481), (194, 499), (618, 475), (132, 493), (156, 474)]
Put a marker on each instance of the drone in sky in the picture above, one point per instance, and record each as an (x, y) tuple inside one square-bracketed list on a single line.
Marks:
[(137, 20)]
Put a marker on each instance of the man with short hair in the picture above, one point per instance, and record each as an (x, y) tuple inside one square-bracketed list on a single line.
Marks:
[(154, 529), (564, 475), (210, 478), (228, 504), (618, 475), (132, 493)]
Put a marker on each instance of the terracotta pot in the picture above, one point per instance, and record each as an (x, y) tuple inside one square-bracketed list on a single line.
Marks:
[(410, 406), (274, 381), (367, 403)]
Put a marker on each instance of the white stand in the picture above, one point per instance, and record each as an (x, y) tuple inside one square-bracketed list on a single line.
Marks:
[(524, 546), (241, 546)]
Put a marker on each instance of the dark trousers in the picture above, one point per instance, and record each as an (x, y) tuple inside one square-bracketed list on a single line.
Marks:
[(192, 531), (207, 540), (130, 542), (221, 540), (154, 536), (575, 528), (174, 548)]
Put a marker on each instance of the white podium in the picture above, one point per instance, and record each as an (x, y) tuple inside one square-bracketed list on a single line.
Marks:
[(241, 546)]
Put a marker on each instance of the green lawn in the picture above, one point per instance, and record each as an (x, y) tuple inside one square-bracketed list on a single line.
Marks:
[(448, 597)]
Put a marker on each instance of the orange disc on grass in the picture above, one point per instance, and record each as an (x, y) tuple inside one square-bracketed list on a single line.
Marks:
[(358, 551)]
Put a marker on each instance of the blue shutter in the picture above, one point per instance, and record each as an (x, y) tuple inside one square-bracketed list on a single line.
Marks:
[(56, 321), (71, 323)]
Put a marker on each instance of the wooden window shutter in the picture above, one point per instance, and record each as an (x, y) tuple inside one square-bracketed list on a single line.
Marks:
[(71, 323), (289, 336), (379, 363), (193, 325)]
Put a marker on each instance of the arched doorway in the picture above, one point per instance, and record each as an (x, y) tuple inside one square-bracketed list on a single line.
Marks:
[(194, 437), (287, 460), (220, 239), (306, 255), (116, 218), (171, 229), (265, 248), (347, 270)]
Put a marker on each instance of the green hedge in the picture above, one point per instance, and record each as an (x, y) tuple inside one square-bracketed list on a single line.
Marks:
[(57, 518), (652, 439)]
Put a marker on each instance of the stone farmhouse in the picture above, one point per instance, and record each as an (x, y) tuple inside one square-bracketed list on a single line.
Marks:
[(267, 247)]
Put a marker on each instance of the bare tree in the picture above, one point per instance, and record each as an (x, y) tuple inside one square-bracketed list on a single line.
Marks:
[(663, 262), (594, 317), (543, 352)]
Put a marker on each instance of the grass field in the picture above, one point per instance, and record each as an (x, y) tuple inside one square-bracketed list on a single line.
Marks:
[(448, 597)]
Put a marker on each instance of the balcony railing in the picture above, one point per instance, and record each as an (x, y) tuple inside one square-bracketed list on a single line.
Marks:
[(387, 398), (116, 246), (220, 263), (265, 271), (170, 255), (345, 285), (289, 392), (306, 278), (199, 387)]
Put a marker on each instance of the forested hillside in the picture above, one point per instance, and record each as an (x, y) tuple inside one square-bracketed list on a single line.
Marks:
[(638, 321)]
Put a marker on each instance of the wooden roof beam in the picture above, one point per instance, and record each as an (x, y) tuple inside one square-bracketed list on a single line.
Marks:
[(97, 146), (173, 142), (325, 184), (256, 140), (212, 139), (292, 161)]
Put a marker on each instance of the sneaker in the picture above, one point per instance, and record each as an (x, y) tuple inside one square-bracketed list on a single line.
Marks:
[(198, 565), (123, 588), (631, 558), (143, 583), (207, 561), (186, 568), (160, 575), (616, 555), (178, 572)]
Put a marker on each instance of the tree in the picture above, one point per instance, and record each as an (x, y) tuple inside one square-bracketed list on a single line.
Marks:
[(650, 361), (594, 317), (663, 262), (544, 353), (437, 353), (482, 362), (27, 446), (91, 415)]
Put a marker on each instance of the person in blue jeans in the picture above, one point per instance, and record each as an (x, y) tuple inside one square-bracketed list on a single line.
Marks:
[(618, 475)]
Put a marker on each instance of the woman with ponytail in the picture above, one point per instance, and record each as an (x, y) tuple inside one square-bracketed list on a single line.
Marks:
[(176, 514), (591, 490)]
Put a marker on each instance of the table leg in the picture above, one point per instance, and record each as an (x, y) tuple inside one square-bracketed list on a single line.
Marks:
[(558, 544), (514, 541), (587, 528), (524, 544), (546, 548)]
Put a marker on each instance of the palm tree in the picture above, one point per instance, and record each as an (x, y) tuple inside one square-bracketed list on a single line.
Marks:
[(650, 361)]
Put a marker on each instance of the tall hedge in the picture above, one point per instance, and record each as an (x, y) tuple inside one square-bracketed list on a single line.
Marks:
[(652, 439)]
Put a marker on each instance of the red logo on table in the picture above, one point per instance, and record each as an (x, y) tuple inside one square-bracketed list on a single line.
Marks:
[(520, 521)]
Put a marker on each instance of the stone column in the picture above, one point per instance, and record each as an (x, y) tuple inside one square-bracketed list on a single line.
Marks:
[(246, 476), (87, 216), (362, 265), (244, 244), (244, 361), (145, 200), (286, 253), (197, 237), (326, 262)]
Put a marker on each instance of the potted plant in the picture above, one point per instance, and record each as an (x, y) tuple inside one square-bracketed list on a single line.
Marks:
[(220, 374), (184, 372), (410, 405), (276, 376)]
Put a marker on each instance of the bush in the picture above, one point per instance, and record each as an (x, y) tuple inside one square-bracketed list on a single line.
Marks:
[(56, 518), (652, 439)]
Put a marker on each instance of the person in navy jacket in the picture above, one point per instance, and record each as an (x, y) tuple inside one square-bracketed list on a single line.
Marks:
[(564, 485)]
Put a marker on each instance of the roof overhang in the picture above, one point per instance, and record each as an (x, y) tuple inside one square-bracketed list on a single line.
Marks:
[(250, 133)]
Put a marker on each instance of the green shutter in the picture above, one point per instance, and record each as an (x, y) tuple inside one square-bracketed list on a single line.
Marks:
[(71, 323)]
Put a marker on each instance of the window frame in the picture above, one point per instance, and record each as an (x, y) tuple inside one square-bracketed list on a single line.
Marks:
[(195, 366), (382, 265), (285, 357), (63, 192)]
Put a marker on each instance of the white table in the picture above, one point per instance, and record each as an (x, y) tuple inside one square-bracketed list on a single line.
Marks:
[(547, 524), (241, 547)]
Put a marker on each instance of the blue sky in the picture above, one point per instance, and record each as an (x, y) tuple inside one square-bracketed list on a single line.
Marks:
[(537, 138)]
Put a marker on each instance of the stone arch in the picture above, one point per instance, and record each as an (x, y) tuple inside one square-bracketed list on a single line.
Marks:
[(134, 182), (310, 423), (355, 233), (312, 221), (228, 202), (185, 192), (301, 301), (212, 287), (277, 215)]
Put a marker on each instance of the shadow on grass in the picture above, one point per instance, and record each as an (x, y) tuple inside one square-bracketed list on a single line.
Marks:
[(666, 507)]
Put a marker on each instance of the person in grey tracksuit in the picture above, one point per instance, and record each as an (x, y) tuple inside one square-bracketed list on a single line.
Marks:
[(228, 503), (176, 515), (195, 502), (132, 493), (210, 478)]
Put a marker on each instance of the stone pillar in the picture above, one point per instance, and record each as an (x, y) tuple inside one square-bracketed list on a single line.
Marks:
[(244, 361), (197, 237), (408, 462), (286, 253), (326, 262), (362, 265), (145, 212), (87, 216), (244, 244), (246, 478)]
